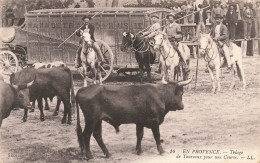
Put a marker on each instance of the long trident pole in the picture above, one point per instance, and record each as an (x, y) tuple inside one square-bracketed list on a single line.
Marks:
[(77, 30), (176, 19), (160, 21)]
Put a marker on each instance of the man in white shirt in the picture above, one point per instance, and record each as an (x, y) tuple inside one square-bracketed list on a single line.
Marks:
[(153, 31), (174, 33)]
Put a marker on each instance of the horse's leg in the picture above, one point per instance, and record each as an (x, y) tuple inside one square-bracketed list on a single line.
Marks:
[(212, 79), (233, 77), (242, 74), (217, 78), (171, 74), (85, 74), (141, 68), (99, 75), (164, 73), (148, 69), (84, 65), (94, 70)]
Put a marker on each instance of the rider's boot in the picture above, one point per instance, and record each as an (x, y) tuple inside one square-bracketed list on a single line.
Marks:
[(185, 65), (77, 59), (98, 50)]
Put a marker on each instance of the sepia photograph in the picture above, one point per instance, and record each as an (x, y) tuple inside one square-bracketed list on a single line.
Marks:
[(131, 81)]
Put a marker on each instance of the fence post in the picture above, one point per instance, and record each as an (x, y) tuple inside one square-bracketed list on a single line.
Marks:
[(244, 48)]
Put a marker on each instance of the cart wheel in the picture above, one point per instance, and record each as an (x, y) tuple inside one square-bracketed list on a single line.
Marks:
[(108, 55), (8, 62)]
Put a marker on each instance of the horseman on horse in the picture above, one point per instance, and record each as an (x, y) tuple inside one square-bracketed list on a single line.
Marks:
[(221, 36), (91, 29), (151, 32), (174, 33)]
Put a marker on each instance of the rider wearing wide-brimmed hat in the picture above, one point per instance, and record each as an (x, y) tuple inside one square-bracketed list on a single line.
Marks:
[(174, 33), (153, 31), (220, 34), (91, 29)]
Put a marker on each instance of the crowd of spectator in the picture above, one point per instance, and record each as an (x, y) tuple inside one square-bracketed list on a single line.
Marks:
[(233, 13)]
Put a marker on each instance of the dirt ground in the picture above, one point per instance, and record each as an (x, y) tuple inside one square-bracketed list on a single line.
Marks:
[(228, 121)]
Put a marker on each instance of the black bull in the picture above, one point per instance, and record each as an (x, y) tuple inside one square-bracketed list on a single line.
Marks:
[(12, 96), (143, 54), (144, 105), (49, 83)]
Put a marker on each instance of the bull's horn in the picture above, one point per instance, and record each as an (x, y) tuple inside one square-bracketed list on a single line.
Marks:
[(183, 83), (30, 84), (15, 86)]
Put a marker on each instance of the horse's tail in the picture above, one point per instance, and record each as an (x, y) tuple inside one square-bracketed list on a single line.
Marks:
[(239, 71)]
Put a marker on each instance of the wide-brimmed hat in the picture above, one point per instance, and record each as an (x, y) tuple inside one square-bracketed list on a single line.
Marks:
[(154, 15), (85, 16), (234, 6), (218, 16)]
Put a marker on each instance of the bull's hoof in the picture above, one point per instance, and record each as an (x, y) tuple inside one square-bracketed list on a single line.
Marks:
[(160, 150), (108, 155), (47, 108), (89, 156), (42, 118), (55, 113), (63, 121), (32, 110), (69, 122), (139, 151), (24, 119)]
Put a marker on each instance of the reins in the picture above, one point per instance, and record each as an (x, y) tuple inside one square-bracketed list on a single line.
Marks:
[(138, 50)]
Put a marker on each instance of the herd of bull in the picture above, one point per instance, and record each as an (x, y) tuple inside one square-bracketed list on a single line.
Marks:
[(142, 104)]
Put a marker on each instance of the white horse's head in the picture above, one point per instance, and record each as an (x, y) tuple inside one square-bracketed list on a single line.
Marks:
[(204, 42), (86, 37), (159, 39)]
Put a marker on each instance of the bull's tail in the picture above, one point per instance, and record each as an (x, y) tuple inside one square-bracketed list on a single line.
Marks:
[(79, 130), (72, 93), (72, 90), (239, 72)]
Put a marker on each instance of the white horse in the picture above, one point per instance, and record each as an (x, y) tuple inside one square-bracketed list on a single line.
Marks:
[(169, 57), (89, 58), (209, 49)]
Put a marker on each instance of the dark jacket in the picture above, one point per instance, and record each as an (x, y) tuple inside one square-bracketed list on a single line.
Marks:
[(232, 18), (197, 17), (91, 31), (224, 34)]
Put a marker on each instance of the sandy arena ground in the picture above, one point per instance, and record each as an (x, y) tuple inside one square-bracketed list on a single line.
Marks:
[(229, 120)]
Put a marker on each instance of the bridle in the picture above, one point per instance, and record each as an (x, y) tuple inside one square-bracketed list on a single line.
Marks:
[(161, 48), (137, 49), (207, 49)]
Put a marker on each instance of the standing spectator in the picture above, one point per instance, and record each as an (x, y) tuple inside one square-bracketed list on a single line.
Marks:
[(257, 19), (247, 21), (232, 21), (216, 11), (200, 20), (77, 5), (9, 16)]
